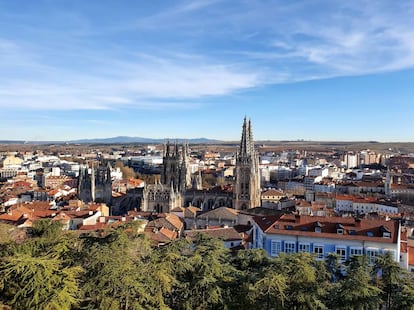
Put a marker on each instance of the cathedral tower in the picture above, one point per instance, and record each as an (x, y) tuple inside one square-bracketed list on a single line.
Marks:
[(96, 185), (175, 170), (247, 187)]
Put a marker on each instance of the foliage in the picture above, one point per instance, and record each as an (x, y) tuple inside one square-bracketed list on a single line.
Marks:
[(127, 172), (356, 290), (36, 275), (114, 278), (5, 230), (207, 274), (396, 285), (58, 270), (47, 228), (270, 290), (306, 280), (251, 267)]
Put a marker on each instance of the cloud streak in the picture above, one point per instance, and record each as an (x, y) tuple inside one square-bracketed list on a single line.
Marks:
[(237, 48), (355, 39), (144, 82)]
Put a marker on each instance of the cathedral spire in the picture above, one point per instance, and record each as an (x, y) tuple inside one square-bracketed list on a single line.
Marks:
[(246, 143), (243, 141), (247, 188), (251, 143)]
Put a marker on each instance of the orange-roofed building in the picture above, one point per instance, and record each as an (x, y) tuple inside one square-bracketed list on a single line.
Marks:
[(64, 219), (170, 221), (160, 237), (230, 237), (344, 236)]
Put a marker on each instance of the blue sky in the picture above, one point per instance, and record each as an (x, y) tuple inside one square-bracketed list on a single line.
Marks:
[(314, 70)]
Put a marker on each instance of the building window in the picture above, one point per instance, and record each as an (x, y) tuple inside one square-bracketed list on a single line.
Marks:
[(275, 248), (290, 247), (355, 252), (304, 247), (318, 250), (372, 255), (341, 252), (339, 228), (386, 234)]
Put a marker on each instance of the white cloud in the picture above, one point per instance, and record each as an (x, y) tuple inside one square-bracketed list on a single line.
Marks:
[(275, 43), (144, 82), (330, 39)]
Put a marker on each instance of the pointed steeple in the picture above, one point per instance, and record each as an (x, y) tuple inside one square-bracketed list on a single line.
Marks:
[(247, 187), (251, 143), (165, 148), (243, 141), (108, 172), (246, 143), (172, 189), (176, 149)]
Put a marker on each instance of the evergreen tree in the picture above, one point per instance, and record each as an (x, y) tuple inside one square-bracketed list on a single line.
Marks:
[(306, 280), (203, 286), (270, 291), (38, 282), (395, 284), (115, 278), (356, 290), (250, 268), (165, 265)]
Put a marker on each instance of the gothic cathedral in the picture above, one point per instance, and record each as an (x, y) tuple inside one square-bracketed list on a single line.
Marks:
[(175, 180), (246, 192)]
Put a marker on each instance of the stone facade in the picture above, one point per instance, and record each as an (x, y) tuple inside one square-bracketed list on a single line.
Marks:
[(246, 193)]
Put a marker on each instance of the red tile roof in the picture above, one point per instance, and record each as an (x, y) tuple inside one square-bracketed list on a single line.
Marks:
[(226, 234), (170, 221), (273, 192), (97, 226), (62, 217), (157, 236), (355, 229), (191, 211)]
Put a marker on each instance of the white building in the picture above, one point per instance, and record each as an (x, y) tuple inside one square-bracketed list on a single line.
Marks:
[(349, 203), (345, 237), (351, 160)]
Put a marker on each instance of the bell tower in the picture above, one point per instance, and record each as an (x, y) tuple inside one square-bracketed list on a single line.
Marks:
[(246, 192), (175, 171)]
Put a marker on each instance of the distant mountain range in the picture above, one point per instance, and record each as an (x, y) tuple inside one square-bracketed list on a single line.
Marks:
[(115, 140), (126, 139)]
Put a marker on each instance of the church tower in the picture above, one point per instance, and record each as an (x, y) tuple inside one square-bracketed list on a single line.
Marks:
[(168, 193), (246, 193), (175, 170), (96, 185), (84, 185)]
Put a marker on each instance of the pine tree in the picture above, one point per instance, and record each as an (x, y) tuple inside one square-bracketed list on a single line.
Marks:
[(39, 282), (356, 290)]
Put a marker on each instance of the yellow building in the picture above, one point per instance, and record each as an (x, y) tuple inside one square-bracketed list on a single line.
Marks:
[(12, 161)]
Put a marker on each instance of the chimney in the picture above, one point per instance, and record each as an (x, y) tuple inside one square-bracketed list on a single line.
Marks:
[(357, 222)]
